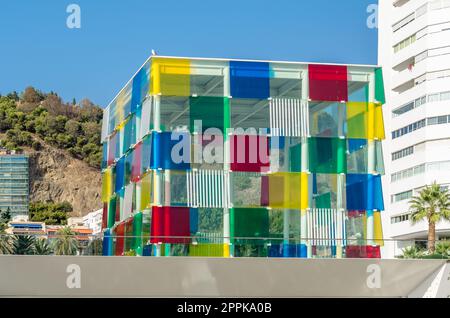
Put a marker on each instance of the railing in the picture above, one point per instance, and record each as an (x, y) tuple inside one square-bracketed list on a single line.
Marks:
[(214, 246)]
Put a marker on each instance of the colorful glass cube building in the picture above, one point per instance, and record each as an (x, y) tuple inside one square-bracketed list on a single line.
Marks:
[(229, 158)]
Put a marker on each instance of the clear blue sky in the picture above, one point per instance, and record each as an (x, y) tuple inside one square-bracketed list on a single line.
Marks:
[(116, 37)]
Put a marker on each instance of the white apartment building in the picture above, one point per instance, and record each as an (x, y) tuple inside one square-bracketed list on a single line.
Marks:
[(414, 51), (93, 220)]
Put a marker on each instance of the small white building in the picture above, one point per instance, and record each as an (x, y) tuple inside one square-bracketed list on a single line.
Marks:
[(93, 220)]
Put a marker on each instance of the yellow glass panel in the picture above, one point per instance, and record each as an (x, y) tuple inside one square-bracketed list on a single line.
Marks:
[(106, 185), (170, 77), (146, 188), (287, 190), (357, 120), (365, 120), (377, 229), (206, 249), (379, 123), (304, 191), (120, 104)]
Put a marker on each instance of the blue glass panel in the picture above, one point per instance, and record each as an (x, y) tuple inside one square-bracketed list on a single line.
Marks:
[(277, 142), (287, 250), (249, 79), (161, 156), (107, 243), (356, 144), (129, 132), (147, 250), (120, 174), (128, 165), (364, 192), (193, 220)]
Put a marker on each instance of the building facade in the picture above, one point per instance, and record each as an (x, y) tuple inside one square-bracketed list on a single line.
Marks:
[(14, 184), (414, 50), (93, 220), (216, 157)]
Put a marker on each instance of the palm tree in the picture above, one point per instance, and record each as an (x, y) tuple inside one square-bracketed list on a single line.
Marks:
[(66, 243), (432, 204), (41, 247), (5, 244), (23, 245)]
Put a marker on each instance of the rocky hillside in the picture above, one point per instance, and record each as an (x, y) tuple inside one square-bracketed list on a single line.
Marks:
[(63, 142), (56, 176)]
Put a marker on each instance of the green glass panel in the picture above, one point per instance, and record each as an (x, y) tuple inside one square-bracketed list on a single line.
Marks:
[(379, 86), (210, 111), (111, 211), (327, 155), (295, 158), (137, 231), (250, 222), (323, 201)]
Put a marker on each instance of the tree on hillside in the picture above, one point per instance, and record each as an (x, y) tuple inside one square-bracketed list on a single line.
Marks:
[(50, 213), (432, 204), (74, 128), (32, 96)]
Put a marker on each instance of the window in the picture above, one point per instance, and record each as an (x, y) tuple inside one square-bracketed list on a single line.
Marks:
[(408, 129), (432, 121), (405, 43), (433, 98), (402, 153), (401, 196), (400, 218), (442, 120), (408, 173)]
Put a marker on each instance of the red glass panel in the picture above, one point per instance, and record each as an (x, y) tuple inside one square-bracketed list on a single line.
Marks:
[(105, 216), (328, 82), (170, 225), (120, 232), (250, 153), (373, 251)]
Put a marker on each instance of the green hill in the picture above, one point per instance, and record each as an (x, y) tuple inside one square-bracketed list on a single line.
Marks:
[(73, 127)]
